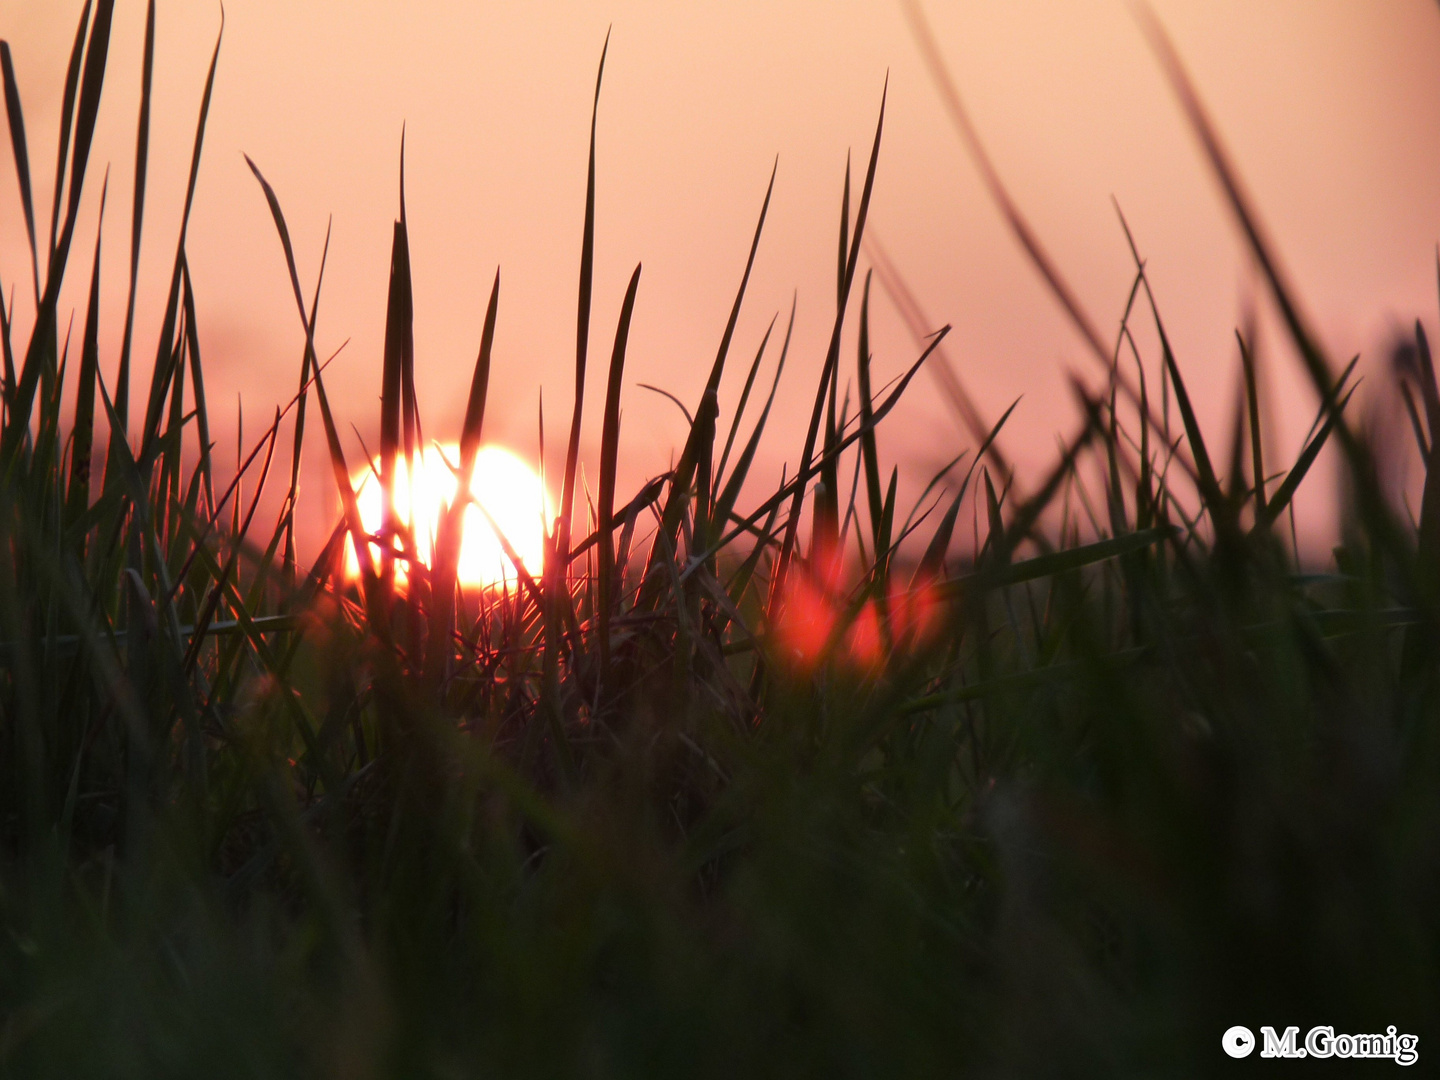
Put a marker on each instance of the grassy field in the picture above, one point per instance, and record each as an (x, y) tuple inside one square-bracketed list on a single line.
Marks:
[(738, 785)]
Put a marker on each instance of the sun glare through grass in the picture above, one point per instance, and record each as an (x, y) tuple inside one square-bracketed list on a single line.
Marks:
[(508, 490)]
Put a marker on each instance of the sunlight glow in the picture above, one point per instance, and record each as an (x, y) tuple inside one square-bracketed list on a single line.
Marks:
[(503, 484)]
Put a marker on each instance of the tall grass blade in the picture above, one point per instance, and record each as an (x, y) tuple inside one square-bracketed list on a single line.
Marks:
[(609, 453), (943, 369), (725, 504), (397, 328), (21, 151), (832, 359), (67, 120), (868, 446), (447, 543), (1252, 405), (844, 236), (740, 406), (97, 51), (582, 330), (1286, 491), (197, 390), (41, 351), (1373, 508), (142, 156), (409, 406), (700, 441), (307, 362), (83, 428), (960, 116), (167, 326)]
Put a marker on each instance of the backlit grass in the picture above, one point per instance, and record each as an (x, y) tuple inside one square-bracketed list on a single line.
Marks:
[(731, 782)]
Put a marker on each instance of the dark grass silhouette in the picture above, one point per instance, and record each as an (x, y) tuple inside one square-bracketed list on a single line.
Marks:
[(728, 789)]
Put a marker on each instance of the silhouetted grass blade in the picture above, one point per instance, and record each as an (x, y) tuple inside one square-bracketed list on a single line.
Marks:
[(832, 359), (609, 457), (21, 151), (167, 326), (142, 157), (448, 541), (67, 120), (83, 428), (397, 311)]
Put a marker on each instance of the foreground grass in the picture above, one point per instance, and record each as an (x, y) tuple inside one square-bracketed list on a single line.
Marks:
[(730, 789)]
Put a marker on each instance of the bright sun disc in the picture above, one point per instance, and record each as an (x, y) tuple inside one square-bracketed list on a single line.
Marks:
[(503, 484)]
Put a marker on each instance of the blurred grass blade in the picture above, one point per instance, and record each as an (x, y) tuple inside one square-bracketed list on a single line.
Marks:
[(67, 120), (97, 52), (932, 563), (1286, 491), (1252, 408), (1428, 540), (844, 256), (40, 354), (1052, 564), (21, 151), (7, 390), (960, 116), (1315, 363), (1372, 505), (943, 369)]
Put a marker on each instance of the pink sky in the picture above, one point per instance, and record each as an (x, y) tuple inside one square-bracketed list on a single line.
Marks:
[(1331, 110)]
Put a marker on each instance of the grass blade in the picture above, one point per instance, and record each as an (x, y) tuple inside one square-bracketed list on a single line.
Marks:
[(142, 155), (67, 119), (92, 83), (18, 145), (832, 358), (197, 390), (397, 329), (582, 330), (740, 407), (447, 544), (725, 504), (167, 326), (609, 451), (1252, 403), (1286, 491), (83, 429), (868, 449)]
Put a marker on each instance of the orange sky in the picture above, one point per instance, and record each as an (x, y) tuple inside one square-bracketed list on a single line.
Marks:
[(1331, 110)]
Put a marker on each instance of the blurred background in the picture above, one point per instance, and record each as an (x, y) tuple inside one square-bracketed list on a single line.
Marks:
[(1330, 109)]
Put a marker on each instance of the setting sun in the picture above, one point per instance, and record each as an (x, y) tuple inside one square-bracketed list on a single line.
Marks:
[(504, 485)]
